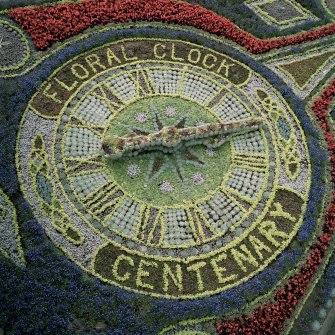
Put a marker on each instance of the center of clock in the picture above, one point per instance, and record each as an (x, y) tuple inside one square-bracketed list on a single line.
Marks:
[(155, 168)]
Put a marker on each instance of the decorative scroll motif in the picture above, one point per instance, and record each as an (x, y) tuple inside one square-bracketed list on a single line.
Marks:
[(287, 139), (45, 190)]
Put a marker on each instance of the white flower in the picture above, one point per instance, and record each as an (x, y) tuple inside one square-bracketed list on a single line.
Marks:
[(166, 187), (133, 170), (210, 152), (141, 117), (199, 123), (198, 178), (170, 111)]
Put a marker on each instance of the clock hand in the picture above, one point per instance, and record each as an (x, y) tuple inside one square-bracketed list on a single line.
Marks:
[(169, 138)]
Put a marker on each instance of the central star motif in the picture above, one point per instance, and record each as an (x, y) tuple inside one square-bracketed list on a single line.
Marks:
[(172, 159)]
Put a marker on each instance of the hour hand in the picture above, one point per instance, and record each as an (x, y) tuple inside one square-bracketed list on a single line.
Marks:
[(169, 139)]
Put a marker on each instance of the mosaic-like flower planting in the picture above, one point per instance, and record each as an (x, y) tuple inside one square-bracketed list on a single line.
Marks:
[(172, 167)]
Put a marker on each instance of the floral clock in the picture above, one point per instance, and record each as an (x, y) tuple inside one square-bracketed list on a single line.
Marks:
[(179, 223), (180, 180)]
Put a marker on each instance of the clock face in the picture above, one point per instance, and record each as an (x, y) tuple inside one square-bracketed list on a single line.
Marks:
[(179, 223)]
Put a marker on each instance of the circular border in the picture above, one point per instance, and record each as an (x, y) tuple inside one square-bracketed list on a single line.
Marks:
[(278, 251)]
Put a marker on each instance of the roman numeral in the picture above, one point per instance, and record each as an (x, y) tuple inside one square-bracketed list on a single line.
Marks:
[(114, 102), (216, 99), (206, 230), (78, 123), (104, 201), (256, 162), (77, 166), (146, 224), (243, 205), (156, 230), (197, 229), (143, 83), (181, 82)]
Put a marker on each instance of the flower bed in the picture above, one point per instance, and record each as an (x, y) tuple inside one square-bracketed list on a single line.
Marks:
[(179, 172), (47, 25)]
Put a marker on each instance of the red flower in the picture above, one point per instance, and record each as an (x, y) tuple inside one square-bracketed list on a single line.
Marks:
[(48, 24)]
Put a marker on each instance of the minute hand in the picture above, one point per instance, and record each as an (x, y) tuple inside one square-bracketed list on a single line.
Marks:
[(169, 138)]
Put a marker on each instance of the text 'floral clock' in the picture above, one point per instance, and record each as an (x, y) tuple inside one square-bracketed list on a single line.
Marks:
[(164, 167)]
